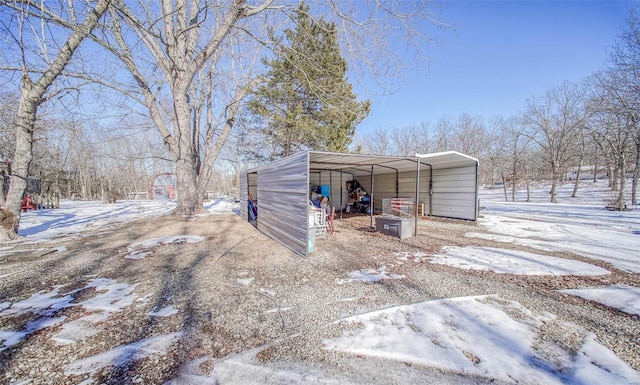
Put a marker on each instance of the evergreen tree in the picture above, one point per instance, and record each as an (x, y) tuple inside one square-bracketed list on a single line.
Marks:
[(307, 101)]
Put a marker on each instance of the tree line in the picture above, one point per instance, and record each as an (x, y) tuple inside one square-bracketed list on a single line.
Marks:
[(177, 75), (594, 124), (99, 97)]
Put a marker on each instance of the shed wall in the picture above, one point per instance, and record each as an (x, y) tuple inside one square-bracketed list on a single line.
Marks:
[(243, 196), (281, 191), (403, 186), (454, 193), (283, 201)]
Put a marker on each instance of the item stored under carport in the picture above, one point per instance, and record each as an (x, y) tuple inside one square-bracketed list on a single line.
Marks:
[(395, 226)]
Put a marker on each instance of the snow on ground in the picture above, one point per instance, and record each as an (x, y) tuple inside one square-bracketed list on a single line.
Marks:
[(164, 312), (622, 297), (513, 262), (479, 336), (484, 336), (124, 354), (137, 250), (590, 231), (110, 296), (369, 275), (245, 281), (74, 217), (580, 225), (415, 257)]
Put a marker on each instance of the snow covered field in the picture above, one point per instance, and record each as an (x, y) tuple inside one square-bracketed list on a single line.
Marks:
[(476, 336)]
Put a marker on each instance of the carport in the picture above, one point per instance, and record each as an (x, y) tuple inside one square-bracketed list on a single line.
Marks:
[(444, 184)]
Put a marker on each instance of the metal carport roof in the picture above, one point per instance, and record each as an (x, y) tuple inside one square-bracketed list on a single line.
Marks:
[(281, 188), (360, 164)]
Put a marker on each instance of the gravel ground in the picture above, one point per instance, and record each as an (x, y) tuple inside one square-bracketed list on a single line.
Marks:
[(238, 292)]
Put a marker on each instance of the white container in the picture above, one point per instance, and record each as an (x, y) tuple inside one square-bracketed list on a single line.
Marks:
[(312, 239)]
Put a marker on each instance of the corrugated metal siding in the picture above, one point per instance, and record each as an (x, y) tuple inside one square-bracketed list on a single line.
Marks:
[(281, 189), (408, 187), (454, 193), (384, 186), (243, 196), (283, 201)]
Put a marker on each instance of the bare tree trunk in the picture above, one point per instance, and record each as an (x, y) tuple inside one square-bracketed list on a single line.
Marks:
[(32, 95), (554, 191), (189, 200), (504, 188), (30, 99), (595, 166), (575, 185), (513, 179), (620, 203), (3, 200), (636, 176), (554, 184)]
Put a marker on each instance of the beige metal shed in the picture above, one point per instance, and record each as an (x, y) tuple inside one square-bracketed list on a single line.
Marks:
[(445, 184)]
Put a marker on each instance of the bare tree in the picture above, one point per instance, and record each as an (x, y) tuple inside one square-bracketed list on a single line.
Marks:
[(203, 58), (469, 136), (507, 151), (402, 139), (8, 109), (621, 83), (519, 148), (581, 146), (445, 129), (33, 94), (614, 126), (497, 155), (377, 142), (423, 140), (554, 124)]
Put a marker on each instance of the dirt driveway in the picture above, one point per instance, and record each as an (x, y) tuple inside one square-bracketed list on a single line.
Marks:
[(237, 294)]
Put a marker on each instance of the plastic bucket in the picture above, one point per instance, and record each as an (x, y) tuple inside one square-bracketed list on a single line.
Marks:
[(325, 190)]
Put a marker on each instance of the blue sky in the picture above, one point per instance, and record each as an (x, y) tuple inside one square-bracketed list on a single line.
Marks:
[(500, 54)]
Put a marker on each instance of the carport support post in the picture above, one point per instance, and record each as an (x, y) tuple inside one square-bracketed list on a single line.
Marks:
[(330, 185), (371, 201), (341, 184), (415, 230)]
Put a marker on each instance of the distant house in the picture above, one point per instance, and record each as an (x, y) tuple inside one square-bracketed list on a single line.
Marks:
[(138, 195), (586, 173), (164, 187), (34, 185)]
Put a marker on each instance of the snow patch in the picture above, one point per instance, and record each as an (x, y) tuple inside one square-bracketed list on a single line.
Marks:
[(416, 256), (137, 250), (513, 262), (123, 355), (112, 297), (11, 338), (369, 275), (245, 281), (622, 297), (165, 312), (482, 336)]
